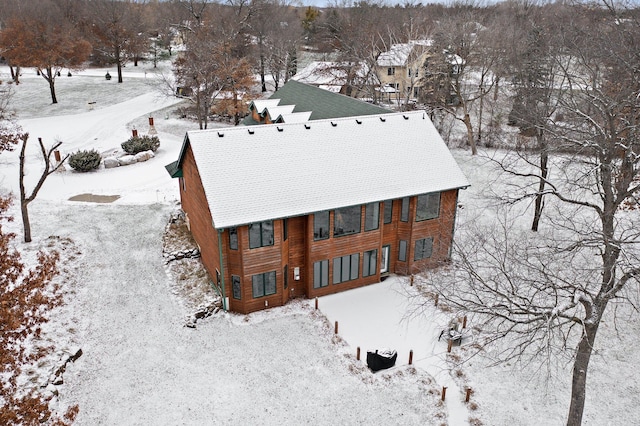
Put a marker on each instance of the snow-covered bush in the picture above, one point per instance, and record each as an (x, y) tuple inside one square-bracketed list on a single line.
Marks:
[(137, 144), (85, 161)]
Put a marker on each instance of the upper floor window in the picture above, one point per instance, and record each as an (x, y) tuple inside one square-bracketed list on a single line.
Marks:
[(371, 216), (427, 206), (391, 71), (233, 238), (320, 226), (423, 248), (404, 210), (261, 234), (346, 221), (388, 211), (285, 229)]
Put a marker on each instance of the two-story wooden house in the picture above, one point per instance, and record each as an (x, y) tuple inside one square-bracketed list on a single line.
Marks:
[(308, 209)]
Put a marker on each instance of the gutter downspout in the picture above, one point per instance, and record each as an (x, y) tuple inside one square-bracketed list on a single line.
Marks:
[(224, 293)]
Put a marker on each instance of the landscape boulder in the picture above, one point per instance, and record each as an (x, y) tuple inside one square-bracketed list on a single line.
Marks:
[(111, 162), (125, 160), (144, 156)]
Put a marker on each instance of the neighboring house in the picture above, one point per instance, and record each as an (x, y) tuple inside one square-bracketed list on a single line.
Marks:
[(399, 68), (297, 102), (346, 78), (309, 209)]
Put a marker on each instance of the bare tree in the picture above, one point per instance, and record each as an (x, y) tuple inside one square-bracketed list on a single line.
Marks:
[(548, 291), (47, 44), (49, 168)]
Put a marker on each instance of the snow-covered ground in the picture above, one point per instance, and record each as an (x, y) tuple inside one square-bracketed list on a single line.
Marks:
[(141, 365)]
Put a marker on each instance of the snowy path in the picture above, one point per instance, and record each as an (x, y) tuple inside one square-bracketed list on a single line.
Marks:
[(387, 322)]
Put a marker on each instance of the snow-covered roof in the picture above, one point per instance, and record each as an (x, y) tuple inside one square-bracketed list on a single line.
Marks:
[(261, 104), (296, 117), (276, 111), (257, 173), (398, 55), (326, 73)]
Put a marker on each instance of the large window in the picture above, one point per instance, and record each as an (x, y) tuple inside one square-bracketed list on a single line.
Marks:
[(402, 251), (346, 221), (388, 211), (235, 285), (369, 263), (321, 273), (423, 249), (428, 206), (320, 226), (261, 234), (233, 238), (345, 268), (371, 216), (264, 284), (404, 211)]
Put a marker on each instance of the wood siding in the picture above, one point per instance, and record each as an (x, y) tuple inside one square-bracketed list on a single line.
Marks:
[(301, 251)]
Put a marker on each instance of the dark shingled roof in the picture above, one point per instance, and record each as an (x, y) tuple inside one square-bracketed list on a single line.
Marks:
[(322, 103)]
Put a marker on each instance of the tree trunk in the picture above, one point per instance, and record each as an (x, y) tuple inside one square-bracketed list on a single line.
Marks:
[(580, 368), (544, 171), (262, 79), (50, 77), (470, 138), (26, 225), (118, 63)]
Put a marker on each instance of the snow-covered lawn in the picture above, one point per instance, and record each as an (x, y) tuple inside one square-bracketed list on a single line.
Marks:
[(141, 365)]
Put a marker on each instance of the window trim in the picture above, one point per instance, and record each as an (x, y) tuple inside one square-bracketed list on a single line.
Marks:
[(402, 250), (320, 236), (264, 284), (405, 209), (384, 211), (367, 259), (335, 221), (421, 251), (262, 243), (428, 202), (233, 242), (376, 212), (340, 266), (236, 285), (323, 273)]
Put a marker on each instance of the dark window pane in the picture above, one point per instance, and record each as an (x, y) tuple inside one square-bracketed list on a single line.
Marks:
[(402, 251), (235, 284), (270, 282), (427, 206), (285, 273), (255, 235), (337, 270), (320, 273), (321, 226), (347, 220), (371, 216), (388, 211), (257, 282), (325, 273), (233, 238), (355, 266), (346, 265), (423, 249), (370, 263), (404, 211), (267, 233), (285, 229)]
